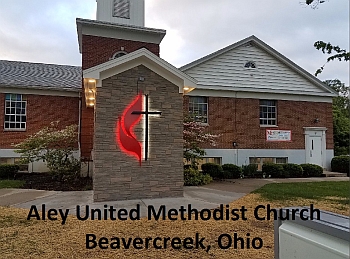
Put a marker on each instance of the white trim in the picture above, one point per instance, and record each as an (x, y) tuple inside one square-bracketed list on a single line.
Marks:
[(315, 132), (118, 31), (254, 40), (136, 58), (40, 91), (259, 95)]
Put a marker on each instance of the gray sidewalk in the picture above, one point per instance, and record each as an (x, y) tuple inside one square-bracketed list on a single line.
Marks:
[(209, 197)]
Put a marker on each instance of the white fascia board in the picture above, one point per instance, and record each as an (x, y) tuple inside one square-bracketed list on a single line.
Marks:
[(40, 91), (141, 57), (118, 31), (259, 95), (262, 90)]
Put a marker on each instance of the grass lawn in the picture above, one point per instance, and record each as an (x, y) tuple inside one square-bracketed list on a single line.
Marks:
[(10, 184), (20, 238), (332, 191)]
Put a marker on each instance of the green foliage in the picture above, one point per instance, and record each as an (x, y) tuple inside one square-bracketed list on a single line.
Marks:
[(272, 170), (341, 164), (250, 170), (231, 171), (328, 48), (337, 192), (341, 117), (214, 170), (193, 177), (11, 184), (311, 170), (292, 170), (54, 146), (8, 171)]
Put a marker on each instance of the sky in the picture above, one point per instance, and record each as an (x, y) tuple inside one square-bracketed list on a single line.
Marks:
[(44, 31)]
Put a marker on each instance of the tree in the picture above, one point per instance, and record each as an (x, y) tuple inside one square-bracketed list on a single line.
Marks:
[(341, 117), (54, 146), (194, 135), (341, 54), (328, 48)]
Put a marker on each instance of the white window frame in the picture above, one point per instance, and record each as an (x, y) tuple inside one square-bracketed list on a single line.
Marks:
[(14, 112), (261, 162), (269, 120), (198, 106)]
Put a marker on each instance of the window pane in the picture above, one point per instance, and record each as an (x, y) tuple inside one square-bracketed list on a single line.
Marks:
[(8, 97), (281, 160)]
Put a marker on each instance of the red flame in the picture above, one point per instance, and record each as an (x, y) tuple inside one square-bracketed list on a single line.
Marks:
[(125, 136)]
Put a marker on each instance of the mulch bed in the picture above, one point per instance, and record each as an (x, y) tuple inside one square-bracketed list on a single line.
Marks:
[(46, 181)]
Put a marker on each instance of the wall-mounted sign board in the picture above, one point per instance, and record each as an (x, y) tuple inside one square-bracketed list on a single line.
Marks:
[(278, 135)]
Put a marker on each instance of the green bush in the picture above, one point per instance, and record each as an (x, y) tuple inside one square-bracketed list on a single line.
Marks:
[(193, 177), (214, 170), (231, 171), (292, 170), (341, 164), (311, 170), (8, 171), (272, 170), (250, 170)]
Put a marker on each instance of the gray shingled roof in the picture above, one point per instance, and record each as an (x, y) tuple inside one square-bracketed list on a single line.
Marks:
[(36, 75)]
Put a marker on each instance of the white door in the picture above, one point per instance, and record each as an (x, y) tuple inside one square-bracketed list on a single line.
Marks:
[(315, 152), (315, 146)]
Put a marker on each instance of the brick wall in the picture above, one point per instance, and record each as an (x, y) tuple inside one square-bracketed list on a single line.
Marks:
[(118, 176), (98, 50), (238, 121), (41, 110), (95, 51)]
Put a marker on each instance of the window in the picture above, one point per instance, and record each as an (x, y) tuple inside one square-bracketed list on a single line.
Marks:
[(15, 112), (121, 9), (268, 113), (12, 161), (198, 108), (119, 54), (259, 161), (204, 160), (250, 64)]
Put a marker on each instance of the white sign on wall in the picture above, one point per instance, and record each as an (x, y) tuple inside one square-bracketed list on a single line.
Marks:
[(278, 135)]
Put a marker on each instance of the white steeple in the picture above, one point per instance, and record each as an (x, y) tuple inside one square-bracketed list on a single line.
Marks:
[(129, 12)]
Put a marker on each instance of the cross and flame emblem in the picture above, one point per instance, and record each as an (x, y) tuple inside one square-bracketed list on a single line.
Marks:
[(131, 116)]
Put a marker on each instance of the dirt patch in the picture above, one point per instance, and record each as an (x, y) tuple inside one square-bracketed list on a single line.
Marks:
[(46, 181), (43, 239)]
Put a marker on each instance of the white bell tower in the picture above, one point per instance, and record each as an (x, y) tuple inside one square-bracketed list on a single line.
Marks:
[(128, 12)]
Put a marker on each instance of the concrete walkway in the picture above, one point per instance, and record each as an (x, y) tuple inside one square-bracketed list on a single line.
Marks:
[(209, 197)]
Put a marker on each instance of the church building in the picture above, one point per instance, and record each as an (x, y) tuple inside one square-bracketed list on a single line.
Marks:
[(129, 103)]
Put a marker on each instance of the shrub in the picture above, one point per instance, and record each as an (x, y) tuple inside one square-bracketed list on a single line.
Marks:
[(8, 171), (272, 170), (193, 177), (231, 171), (311, 170), (292, 170), (341, 164), (250, 170), (214, 170)]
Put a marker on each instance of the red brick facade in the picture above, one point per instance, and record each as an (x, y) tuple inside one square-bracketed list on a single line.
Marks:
[(95, 51), (238, 121), (98, 50), (41, 110)]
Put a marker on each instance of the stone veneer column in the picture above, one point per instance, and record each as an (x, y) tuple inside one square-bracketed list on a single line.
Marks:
[(118, 176)]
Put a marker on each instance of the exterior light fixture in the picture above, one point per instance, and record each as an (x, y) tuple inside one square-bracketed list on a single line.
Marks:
[(90, 91), (186, 88)]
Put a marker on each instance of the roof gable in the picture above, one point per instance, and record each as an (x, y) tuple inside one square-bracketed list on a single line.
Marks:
[(136, 58), (224, 70)]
